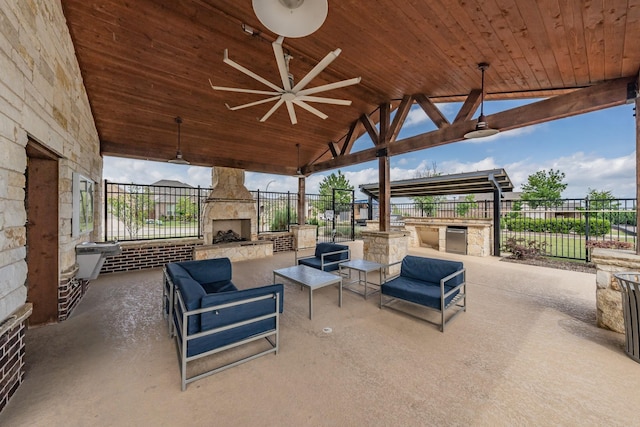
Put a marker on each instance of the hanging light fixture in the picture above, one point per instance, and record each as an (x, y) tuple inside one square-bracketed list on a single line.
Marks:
[(482, 127), (299, 173), (179, 160), (291, 18)]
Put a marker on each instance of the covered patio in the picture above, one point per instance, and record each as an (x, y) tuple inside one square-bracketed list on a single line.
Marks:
[(527, 352)]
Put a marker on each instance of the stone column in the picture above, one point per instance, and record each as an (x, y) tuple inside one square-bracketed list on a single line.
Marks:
[(385, 247), (608, 297), (304, 236)]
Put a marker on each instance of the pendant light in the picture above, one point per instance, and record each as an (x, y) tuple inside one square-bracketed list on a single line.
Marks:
[(482, 127), (179, 160), (299, 173), (291, 18)]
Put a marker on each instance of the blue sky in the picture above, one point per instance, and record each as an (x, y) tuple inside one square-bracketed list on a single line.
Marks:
[(595, 150)]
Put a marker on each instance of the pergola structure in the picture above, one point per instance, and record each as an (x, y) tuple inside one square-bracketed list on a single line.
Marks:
[(146, 62), (494, 181)]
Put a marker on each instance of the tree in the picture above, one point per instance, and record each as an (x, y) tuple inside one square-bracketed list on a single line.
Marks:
[(544, 188), (469, 202), (186, 209), (428, 204), (132, 208), (342, 198)]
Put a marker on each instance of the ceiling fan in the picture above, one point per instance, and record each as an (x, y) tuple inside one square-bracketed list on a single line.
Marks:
[(290, 93)]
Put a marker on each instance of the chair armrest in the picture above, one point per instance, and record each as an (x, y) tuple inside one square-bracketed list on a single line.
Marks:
[(322, 256), (444, 280)]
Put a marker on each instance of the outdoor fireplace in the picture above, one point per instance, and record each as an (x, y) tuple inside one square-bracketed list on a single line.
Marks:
[(229, 214)]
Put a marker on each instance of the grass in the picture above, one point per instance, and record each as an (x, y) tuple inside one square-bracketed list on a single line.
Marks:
[(564, 245)]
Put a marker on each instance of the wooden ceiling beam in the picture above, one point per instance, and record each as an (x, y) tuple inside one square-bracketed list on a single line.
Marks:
[(334, 148), (431, 110), (370, 127), (470, 106), (401, 115), (604, 95), (115, 149)]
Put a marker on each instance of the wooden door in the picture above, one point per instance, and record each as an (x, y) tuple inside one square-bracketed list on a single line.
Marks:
[(41, 202)]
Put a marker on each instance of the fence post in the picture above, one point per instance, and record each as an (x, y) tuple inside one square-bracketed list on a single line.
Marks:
[(200, 231), (259, 213), (288, 212), (586, 229), (106, 212)]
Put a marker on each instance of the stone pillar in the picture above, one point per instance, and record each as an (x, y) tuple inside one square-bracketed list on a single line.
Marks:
[(304, 236), (385, 247), (608, 297)]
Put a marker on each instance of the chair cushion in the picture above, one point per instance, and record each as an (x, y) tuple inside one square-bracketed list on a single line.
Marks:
[(419, 292), (317, 264), (323, 248), (230, 315), (209, 270), (430, 269)]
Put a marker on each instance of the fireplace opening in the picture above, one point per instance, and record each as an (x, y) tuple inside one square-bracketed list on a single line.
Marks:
[(231, 230), (228, 236)]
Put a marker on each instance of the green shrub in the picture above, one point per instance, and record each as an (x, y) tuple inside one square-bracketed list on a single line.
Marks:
[(597, 227)]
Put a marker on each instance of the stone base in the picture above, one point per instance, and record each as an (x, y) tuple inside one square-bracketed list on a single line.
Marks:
[(608, 297), (239, 251), (385, 247), (432, 233), (304, 236)]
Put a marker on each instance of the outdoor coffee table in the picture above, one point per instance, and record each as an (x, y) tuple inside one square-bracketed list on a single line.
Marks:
[(362, 267), (311, 278)]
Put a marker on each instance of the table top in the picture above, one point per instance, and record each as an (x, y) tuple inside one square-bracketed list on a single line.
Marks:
[(308, 276), (362, 265)]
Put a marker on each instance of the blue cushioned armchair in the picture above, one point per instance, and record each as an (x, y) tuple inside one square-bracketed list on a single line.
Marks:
[(435, 284), (208, 314), (327, 257)]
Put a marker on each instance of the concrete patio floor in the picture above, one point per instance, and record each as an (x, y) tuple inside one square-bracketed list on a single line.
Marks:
[(526, 352)]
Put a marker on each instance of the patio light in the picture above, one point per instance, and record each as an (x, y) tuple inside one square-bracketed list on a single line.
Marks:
[(291, 18), (482, 127), (178, 159)]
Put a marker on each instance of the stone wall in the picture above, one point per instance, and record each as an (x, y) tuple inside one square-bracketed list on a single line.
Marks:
[(479, 233), (608, 298), (42, 98), (385, 247), (235, 251)]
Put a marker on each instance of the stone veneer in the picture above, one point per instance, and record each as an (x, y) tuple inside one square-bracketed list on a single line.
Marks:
[(479, 233), (608, 297), (304, 236), (235, 251), (43, 99), (385, 247), (229, 199)]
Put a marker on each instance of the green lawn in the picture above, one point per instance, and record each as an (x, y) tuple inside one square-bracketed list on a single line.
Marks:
[(564, 245)]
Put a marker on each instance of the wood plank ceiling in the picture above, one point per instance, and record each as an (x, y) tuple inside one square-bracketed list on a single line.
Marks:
[(144, 62)]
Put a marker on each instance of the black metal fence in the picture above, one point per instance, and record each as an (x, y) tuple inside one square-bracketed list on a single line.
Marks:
[(145, 212), (566, 228)]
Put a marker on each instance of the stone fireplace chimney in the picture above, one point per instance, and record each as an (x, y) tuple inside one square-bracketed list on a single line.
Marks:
[(230, 206)]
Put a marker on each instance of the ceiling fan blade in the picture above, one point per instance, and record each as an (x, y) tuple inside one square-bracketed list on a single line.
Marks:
[(236, 89), (323, 100), (251, 104), (282, 64), (317, 69), (310, 109), (329, 86), (292, 112), (272, 110), (248, 72)]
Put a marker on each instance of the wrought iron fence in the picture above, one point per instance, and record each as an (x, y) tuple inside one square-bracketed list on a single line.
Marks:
[(566, 228), (144, 212), (276, 211)]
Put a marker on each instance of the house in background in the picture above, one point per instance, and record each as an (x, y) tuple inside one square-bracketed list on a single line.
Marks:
[(167, 194)]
